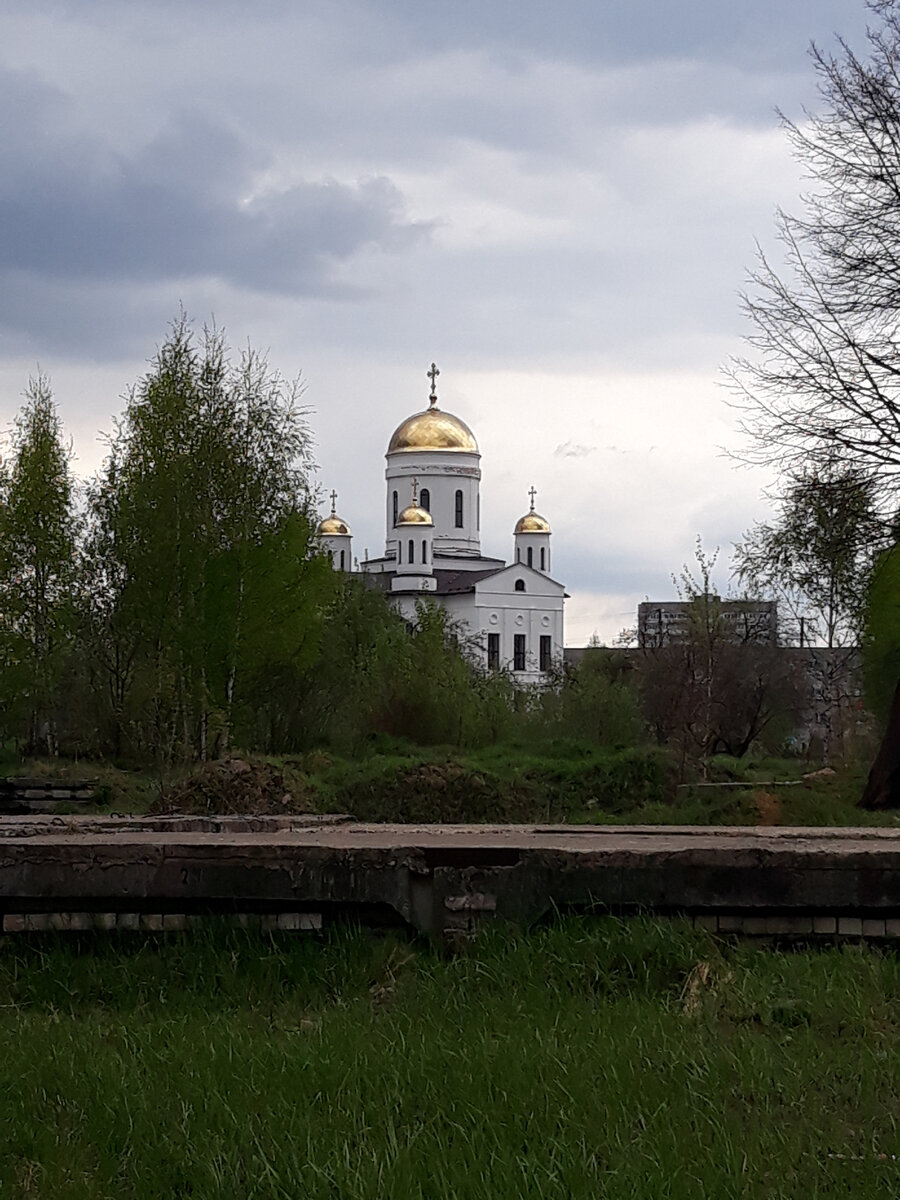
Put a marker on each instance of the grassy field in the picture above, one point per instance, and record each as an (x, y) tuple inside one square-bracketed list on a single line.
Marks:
[(589, 1059)]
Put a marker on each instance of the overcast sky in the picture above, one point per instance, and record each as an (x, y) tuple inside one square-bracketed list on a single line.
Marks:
[(556, 202)]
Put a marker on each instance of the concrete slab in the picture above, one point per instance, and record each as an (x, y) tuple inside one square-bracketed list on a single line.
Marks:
[(433, 876)]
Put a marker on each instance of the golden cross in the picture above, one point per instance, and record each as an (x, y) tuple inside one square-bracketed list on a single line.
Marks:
[(532, 493), (432, 375), (333, 501), (415, 485)]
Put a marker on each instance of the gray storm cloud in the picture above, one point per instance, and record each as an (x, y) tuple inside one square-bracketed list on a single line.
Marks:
[(185, 205)]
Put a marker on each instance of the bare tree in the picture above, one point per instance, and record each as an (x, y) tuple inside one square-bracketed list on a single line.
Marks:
[(823, 383), (822, 387)]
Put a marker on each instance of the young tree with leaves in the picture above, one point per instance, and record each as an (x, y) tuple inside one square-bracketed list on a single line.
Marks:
[(205, 507), (816, 557), (37, 569)]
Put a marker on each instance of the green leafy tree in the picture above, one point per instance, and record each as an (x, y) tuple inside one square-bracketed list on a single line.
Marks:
[(817, 555), (595, 702), (881, 657), (201, 524), (881, 642), (38, 531)]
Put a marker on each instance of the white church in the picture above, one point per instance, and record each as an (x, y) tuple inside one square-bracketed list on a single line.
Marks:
[(433, 548)]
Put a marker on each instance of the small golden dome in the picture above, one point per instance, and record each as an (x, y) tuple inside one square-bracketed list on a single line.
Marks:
[(413, 515), (332, 525), (433, 429), (532, 522)]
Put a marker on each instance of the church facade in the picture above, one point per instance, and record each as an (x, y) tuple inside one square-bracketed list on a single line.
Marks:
[(513, 612)]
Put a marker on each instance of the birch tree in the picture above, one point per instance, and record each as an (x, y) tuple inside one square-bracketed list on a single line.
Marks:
[(37, 569)]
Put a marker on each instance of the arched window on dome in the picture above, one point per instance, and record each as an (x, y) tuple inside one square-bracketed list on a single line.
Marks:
[(396, 508), (425, 499), (399, 551), (459, 509), (520, 585), (531, 556), (412, 551), (424, 550), (543, 559), (343, 552), (518, 554)]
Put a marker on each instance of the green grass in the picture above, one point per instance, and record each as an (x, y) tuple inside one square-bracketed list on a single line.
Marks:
[(587, 1059), (557, 781)]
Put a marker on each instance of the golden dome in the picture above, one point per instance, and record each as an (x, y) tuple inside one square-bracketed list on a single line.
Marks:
[(413, 515), (433, 429), (332, 525), (532, 522)]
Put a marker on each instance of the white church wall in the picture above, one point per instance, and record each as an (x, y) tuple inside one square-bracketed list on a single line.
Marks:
[(442, 474), (533, 613)]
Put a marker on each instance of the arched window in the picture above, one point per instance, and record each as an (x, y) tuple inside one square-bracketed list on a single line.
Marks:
[(399, 551), (396, 509), (459, 509), (424, 550), (412, 551), (343, 552), (425, 499), (518, 554), (543, 557), (520, 585), (531, 556)]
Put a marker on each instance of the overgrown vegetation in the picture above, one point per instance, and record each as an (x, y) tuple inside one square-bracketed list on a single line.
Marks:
[(185, 608), (177, 618), (604, 1058)]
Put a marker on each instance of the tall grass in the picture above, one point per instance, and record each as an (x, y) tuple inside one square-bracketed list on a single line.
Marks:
[(590, 1059)]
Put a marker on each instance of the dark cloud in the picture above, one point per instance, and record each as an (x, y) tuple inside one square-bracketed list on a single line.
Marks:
[(187, 205)]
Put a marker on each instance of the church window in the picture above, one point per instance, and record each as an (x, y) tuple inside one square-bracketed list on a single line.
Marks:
[(545, 652), (343, 552), (494, 651), (425, 499), (519, 652), (424, 550), (399, 551), (412, 551), (531, 556), (543, 559), (459, 509), (518, 554), (396, 509), (520, 585)]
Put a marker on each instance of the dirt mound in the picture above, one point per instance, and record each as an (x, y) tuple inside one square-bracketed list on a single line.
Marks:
[(234, 785), (441, 792), (768, 808)]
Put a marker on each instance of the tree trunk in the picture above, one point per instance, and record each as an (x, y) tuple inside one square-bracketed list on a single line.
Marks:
[(883, 786)]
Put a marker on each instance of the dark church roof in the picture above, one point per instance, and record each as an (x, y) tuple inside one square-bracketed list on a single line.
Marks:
[(449, 583)]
